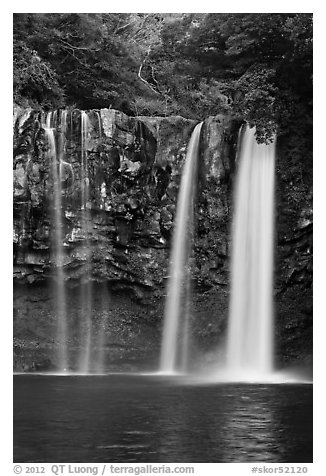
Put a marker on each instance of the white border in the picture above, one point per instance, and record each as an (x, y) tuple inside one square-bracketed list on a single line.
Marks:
[(168, 6)]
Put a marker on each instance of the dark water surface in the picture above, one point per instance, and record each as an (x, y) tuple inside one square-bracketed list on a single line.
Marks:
[(121, 418)]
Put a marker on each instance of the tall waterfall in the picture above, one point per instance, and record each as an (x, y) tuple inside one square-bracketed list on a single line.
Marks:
[(58, 125), (175, 340), (86, 287), (55, 157), (250, 331)]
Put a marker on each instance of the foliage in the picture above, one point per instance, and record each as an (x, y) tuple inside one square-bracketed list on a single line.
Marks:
[(262, 63), (34, 78), (257, 66), (92, 63)]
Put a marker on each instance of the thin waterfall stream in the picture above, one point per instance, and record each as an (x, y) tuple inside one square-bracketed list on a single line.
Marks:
[(55, 125), (86, 286), (175, 339), (55, 157)]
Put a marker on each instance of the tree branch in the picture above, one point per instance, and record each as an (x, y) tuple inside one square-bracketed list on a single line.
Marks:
[(140, 76), (72, 47)]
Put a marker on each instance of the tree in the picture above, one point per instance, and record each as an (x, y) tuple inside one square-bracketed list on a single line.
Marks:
[(256, 66), (87, 52), (262, 64)]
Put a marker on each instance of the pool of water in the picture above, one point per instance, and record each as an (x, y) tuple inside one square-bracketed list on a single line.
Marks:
[(132, 418)]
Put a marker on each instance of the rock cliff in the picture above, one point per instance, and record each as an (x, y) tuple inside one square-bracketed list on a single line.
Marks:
[(134, 170)]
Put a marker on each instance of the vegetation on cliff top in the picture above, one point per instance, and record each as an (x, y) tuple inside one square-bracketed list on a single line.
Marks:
[(257, 65)]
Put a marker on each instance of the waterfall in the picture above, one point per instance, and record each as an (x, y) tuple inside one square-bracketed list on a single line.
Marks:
[(250, 330), (57, 244), (99, 124), (174, 355), (56, 125), (84, 158), (86, 287)]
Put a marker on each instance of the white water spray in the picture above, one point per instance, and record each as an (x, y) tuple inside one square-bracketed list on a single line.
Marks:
[(175, 340), (250, 331), (86, 287), (57, 237)]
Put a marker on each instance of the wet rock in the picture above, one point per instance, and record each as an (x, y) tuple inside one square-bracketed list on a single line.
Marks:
[(134, 172)]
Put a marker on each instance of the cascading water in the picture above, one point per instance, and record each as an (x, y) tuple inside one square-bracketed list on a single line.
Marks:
[(86, 287), (250, 330), (56, 125), (65, 167), (84, 159), (174, 356), (99, 124), (57, 245)]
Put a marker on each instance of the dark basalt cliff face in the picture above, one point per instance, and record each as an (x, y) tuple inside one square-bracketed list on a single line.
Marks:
[(294, 261), (134, 171)]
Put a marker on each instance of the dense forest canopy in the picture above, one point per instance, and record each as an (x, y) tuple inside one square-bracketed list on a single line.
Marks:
[(254, 65)]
